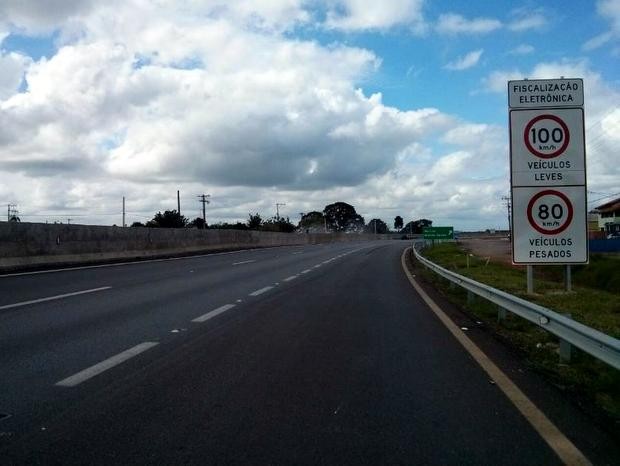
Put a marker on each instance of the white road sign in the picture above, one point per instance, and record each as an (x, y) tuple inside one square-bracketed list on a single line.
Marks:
[(549, 225), (547, 147), (537, 93)]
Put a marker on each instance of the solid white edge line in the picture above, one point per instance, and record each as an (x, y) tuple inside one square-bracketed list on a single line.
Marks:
[(555, 439), (261, 291), (244, 262), (306, 271), (52, 298), (292, 277), (103, 366), (145, 261), (213, 313)]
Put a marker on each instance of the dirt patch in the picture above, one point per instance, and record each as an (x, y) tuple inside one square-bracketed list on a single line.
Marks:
[(498, 249)]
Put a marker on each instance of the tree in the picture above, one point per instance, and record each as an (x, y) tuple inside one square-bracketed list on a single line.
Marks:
[(229, 226), (254, 221), (398, 222), (14, 218), (198, 222), (313, 222), (279, 224), (416, 227), (137, 224), (343, 217), (169, 219), (381, 226)]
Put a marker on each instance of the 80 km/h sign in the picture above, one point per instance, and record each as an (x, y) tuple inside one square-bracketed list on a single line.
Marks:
[(550, 212), (549, 225)]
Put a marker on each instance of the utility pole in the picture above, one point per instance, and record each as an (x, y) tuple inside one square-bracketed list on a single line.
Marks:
[(124, 224), (375, 222), (278, 204), (506, 200), (11, 211), (178, 203), (204, 199)]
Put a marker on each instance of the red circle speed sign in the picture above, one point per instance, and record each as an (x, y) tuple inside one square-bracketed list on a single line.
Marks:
[(546, 136), (550, 212)]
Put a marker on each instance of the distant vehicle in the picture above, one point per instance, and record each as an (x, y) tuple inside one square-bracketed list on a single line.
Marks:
[(614, 235)]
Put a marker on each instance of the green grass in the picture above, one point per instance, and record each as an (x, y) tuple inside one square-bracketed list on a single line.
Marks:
[(595, 301)]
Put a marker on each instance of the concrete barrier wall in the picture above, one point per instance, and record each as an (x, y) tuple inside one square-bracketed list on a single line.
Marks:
[(25, 245)]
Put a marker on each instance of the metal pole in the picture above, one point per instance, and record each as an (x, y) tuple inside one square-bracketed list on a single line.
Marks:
[(204, 212), (178, 202), (568, 279), (530, 279), (124, 224)]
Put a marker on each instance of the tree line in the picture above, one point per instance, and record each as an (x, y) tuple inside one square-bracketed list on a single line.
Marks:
[(338, 217)]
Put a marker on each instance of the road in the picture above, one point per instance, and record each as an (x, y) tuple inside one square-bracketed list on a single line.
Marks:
[(320, 354)]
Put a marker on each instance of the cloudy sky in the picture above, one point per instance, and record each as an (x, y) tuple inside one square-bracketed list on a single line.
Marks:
[(397, 107)]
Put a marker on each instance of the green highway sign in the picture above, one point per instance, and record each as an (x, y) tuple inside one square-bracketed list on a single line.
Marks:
[(438, 233)]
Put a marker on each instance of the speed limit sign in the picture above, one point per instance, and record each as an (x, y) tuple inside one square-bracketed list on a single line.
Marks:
[(547, 147), (549, 225), (548, 171), (550, 212), (546, 136)]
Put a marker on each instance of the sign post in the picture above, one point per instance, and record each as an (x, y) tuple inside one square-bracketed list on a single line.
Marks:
[(548, 172)]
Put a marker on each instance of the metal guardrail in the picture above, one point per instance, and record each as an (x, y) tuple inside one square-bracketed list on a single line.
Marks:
[(598, 344)]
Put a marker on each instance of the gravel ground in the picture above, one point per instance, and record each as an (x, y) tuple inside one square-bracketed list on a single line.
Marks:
[(498, 248)]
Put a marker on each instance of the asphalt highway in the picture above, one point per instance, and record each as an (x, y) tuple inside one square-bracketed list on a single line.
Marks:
[(319, 354)]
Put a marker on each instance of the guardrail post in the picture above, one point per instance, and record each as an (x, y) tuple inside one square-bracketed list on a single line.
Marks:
[(565, 347), (568, 280), (470, 297), (501, 314), (530, 279)]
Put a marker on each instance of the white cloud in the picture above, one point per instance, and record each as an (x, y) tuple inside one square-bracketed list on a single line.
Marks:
[(352, 15), (196, 102), (467, 61), (35, 17), (525, 22), (13, 66), (610, 10), (522, 49), (452, 24), (497, 81)]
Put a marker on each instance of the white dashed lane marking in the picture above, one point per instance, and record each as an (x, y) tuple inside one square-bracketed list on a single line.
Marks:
[(213, 313), (103, 366), (261, 291)]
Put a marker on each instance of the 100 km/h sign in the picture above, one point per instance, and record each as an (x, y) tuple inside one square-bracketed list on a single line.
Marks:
[(547, 147)]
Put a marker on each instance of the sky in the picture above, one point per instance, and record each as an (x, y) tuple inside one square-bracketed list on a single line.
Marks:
[(396, 107)]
